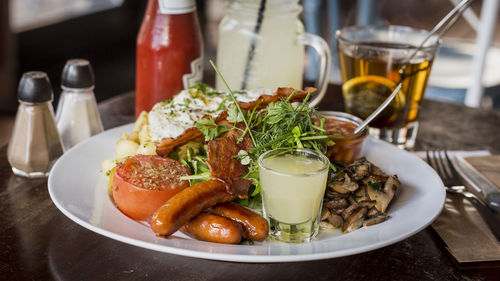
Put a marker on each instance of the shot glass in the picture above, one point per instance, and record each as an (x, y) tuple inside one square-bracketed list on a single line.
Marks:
[(373, 61), (293, 183)]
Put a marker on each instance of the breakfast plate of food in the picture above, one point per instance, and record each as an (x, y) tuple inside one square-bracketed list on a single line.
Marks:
[(183, 179)]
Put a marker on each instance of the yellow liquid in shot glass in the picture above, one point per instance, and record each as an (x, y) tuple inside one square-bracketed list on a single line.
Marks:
[(292, 193)]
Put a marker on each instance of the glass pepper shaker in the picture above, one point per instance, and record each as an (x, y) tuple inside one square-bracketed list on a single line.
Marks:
[(77, 114), (35, 143)]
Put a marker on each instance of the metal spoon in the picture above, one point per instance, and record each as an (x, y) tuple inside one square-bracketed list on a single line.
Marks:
[(378, 110), (449, 20)]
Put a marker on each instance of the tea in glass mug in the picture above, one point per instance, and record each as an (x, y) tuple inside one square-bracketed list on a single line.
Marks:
[(262, 46), (373, 61)]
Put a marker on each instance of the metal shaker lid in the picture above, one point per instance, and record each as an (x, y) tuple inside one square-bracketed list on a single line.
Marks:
[(77, 74), (34, 87)]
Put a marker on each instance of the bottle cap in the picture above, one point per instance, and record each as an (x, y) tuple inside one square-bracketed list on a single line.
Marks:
[(34, 87), (77, 74)]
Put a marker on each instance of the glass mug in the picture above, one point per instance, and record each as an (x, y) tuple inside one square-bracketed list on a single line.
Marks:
[(373, 61), (261, 45)]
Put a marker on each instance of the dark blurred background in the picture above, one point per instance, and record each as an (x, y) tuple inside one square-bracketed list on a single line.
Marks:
[(43, 34), (105, 37)]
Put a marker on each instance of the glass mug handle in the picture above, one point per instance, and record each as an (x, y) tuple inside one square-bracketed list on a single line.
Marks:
[(323, 50)]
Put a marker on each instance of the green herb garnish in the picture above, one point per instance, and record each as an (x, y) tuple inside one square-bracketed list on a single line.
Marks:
[(287, 126), (233, 115), (210, 129), (204, 89), (233, 98)]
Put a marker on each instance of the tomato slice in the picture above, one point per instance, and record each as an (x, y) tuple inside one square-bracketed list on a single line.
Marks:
[(143, 183)]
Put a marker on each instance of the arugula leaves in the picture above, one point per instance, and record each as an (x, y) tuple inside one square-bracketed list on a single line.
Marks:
[(194, 156), (210, 129)]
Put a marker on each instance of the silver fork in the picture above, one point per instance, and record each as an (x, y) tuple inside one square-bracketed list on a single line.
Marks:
[(441, 163)]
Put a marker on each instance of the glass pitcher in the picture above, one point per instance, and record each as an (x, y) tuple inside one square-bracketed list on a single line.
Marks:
[(261, 45)]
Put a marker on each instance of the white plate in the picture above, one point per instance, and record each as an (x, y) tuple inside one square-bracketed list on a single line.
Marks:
[(79, 190)]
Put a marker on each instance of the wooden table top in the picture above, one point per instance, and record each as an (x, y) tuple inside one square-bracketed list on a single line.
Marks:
[(37, 242)]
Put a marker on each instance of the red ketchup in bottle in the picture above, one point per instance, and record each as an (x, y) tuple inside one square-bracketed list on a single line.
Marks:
[(169, 52)]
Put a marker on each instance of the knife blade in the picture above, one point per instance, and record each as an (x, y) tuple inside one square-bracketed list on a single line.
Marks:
[(488, 189)]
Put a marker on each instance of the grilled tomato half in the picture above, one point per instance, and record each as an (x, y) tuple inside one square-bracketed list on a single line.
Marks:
[(143, 183)]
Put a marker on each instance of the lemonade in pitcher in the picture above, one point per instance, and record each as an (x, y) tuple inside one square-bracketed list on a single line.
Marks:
[(276, 55), (261, 45)]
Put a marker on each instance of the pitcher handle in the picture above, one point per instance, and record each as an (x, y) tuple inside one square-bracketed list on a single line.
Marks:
[(321, 47)]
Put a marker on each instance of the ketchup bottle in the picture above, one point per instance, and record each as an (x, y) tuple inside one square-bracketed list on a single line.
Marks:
[(169, 51)]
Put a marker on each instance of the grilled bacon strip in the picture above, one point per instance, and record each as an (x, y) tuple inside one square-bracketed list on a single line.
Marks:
[(280, 93), (168, 144), (224, 166)]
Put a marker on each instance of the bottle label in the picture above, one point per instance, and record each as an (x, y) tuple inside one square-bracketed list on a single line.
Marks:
[(173, 7), (196, 73)]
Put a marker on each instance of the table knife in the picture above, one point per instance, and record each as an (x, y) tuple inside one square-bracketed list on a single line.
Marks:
[(490, 192)]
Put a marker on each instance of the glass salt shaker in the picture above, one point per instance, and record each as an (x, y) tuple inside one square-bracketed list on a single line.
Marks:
[(35, 143), (77, 115)]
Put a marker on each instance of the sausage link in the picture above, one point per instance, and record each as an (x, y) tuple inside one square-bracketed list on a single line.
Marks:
[(255, 226), (214, 228), (188, 203)]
